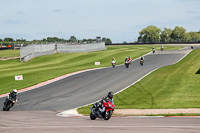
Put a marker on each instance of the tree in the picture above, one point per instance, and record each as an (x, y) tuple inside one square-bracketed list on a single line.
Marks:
[(44, 39), (21, 40), (188, 37), (72, 39), (53, 39), (106, 40), (88, 40), (7, 39), (150, 34), (166, 35), (193, 36), (178, 34)]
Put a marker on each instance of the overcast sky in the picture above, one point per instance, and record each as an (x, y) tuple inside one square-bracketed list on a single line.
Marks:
[(119, 20)]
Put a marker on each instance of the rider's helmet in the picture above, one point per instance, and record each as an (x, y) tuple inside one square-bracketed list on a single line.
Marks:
[(14, 91), (129, 57), (113, 58), (110, 94)]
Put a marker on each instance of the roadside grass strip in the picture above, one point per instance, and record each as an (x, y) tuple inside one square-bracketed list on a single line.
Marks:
[(171, 87), (4, 54)]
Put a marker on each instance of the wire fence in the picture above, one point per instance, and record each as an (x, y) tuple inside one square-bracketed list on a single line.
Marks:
[(63, 48), (35, 50)]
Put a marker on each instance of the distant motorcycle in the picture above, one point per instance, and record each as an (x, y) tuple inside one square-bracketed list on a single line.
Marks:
[(141, 62), (154, 51), (8, 104), (106, 115), (127, 63), (113, 63)]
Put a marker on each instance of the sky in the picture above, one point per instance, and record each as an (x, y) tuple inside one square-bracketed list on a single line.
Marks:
[(119, 20)]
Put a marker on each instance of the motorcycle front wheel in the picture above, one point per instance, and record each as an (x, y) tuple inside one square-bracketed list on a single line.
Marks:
[(108, 115), (8, 106), (127, 66)]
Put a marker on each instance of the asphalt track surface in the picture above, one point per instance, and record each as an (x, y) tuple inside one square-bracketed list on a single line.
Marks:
[(48, 122), (36, 110)]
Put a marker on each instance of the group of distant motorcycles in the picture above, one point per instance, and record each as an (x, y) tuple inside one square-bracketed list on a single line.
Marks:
[(127, 62)]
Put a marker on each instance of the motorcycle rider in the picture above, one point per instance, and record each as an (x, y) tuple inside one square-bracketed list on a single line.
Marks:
[(113, 59), (109, 97), (162, 47), (153, 49), (126, 59), (129, 59), (12, 95), (142, 58), (113, 62)]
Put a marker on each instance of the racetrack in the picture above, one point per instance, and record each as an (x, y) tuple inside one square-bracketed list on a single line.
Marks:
[(87, 87), (36, 110)]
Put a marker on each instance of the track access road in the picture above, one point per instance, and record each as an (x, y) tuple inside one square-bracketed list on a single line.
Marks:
[(88, 87)]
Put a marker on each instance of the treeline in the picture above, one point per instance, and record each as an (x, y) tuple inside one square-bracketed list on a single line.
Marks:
[(152, 34), (73, 40)]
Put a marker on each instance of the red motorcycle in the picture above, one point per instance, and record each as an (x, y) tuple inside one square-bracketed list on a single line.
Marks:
[(105, 105)]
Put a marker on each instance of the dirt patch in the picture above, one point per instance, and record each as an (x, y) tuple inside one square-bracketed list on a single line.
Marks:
[(155, 111), (9, 58)]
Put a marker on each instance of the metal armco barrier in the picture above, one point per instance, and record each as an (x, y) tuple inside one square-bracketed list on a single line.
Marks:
[(35, 50)]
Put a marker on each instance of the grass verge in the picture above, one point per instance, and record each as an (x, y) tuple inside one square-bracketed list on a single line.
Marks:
[(9, 53)]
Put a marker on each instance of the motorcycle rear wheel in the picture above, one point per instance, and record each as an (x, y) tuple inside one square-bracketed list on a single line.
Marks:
[(92, 117)]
